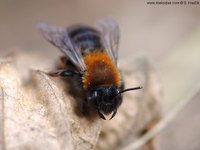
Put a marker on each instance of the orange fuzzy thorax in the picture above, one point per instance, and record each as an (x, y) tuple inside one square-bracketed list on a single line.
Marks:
[(100, 71)]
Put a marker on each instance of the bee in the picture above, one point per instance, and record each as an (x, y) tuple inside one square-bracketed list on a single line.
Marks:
[(91, 53)]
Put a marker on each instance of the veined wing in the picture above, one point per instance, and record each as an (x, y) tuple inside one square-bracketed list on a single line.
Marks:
[(110, 33), (59, 37)]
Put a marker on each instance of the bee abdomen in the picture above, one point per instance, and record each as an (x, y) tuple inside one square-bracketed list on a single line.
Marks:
[(88, 39)]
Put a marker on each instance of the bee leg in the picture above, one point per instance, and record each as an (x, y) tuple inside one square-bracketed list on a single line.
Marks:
[(63, 73), (62, 61), (83, 108)]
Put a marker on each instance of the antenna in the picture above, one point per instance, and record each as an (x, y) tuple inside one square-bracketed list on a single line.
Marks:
[(129, 89)]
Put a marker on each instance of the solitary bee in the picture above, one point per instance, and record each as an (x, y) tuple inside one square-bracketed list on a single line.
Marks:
[(92, 56)]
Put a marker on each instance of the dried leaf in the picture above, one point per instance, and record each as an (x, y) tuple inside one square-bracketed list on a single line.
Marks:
[(36, 111)]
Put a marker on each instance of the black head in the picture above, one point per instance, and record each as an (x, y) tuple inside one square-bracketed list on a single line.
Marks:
[(107, 99)]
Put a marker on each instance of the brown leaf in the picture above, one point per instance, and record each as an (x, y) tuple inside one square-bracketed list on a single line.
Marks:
[(36, 111), (39, 115)]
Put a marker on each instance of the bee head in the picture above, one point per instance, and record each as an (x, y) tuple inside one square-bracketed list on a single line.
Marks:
[(107, 99)]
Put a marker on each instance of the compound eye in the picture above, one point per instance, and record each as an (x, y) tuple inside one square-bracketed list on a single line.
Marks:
[(94, 94), (118, 91), (114, 90)]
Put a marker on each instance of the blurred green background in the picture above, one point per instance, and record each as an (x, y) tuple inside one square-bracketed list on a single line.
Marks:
[(168, 34)]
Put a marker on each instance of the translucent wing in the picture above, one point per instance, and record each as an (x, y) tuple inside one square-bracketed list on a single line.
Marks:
[(109, 30), (59, 37)]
